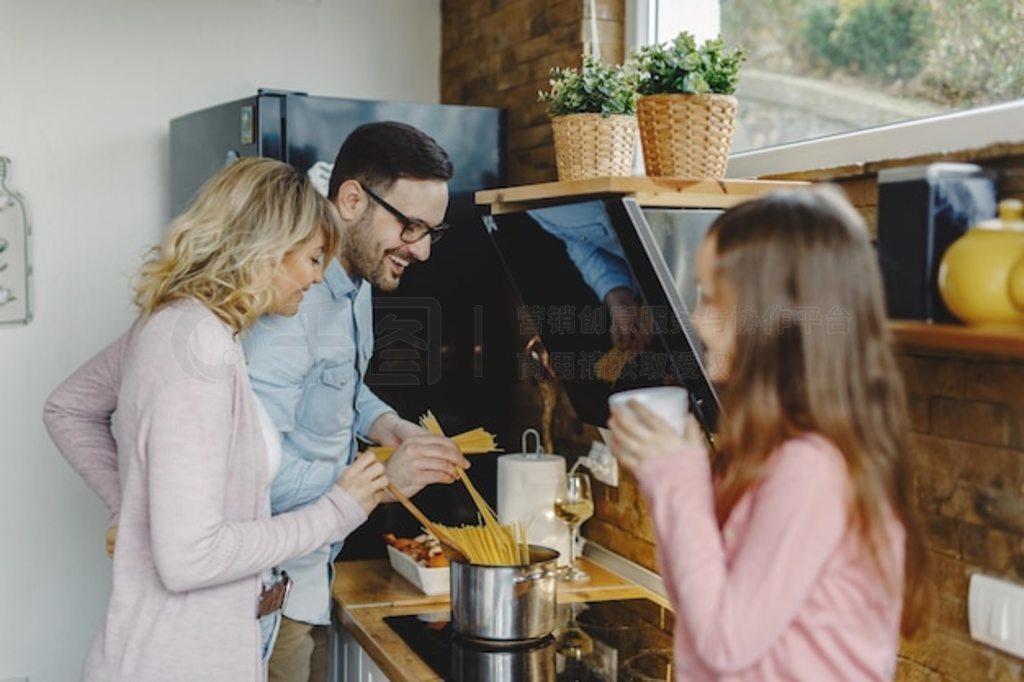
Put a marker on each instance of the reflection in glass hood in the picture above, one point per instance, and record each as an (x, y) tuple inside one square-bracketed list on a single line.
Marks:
[(610, 287)]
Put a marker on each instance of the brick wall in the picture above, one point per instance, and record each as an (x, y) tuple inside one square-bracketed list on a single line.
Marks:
[(968, 467), (968, 475), (498, 53), (967, 412)]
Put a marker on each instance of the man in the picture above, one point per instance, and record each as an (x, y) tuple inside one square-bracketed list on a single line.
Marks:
[(593, 247), (389, 184)]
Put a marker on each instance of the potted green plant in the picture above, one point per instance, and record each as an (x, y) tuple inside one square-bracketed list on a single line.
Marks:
[(686, 111), (593, 117)]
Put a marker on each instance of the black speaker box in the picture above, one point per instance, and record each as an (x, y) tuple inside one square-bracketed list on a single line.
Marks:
[(921, 211)]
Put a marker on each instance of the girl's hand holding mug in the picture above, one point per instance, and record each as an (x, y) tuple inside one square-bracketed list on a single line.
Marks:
[(639, 434)]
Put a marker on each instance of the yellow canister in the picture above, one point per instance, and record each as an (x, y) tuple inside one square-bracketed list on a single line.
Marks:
[(975, 274)]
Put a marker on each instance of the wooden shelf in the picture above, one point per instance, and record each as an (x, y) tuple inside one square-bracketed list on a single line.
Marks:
[(648, 191), (998, 340)]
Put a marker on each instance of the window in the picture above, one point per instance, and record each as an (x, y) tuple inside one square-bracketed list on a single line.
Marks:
[(833, 82)]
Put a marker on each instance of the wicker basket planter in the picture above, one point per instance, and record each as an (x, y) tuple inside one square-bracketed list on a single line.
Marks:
[(686, 136), (594, 146)]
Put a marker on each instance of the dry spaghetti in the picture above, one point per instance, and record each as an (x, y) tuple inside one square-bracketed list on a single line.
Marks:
[(475, 442), (490, 544)]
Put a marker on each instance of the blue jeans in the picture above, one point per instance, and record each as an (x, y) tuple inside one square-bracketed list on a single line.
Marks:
[(269, 626)]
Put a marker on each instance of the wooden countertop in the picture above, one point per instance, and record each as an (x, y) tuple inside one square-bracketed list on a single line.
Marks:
[(360, 584), (366, 592)]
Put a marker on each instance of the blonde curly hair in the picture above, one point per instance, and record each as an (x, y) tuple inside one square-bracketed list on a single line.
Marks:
[(224, 249)]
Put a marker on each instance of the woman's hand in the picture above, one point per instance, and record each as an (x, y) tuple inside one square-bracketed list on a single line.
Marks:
[(364, 480), (111, 541), (639, 434)]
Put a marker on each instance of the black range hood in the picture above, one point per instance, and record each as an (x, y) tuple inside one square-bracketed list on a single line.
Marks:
[(563, 258)]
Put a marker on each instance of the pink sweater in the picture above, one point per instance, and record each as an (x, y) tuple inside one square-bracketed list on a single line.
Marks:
[(785, 591), (188, 479)]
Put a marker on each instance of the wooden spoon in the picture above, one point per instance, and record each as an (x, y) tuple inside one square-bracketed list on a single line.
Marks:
[(441, 536)]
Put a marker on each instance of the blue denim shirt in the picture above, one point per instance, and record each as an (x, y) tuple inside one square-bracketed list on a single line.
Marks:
[(590, 242), (308, 371)]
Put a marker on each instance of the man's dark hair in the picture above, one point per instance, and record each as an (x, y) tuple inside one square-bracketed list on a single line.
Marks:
[(378, 154)]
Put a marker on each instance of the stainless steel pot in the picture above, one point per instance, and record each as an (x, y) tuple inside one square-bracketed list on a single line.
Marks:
[(505, 602), (473, 663)]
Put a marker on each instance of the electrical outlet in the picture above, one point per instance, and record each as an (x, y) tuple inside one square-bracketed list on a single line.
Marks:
[(995, 611)]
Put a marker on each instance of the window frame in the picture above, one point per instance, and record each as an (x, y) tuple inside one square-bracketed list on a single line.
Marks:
[(961, 130), (956, 131)]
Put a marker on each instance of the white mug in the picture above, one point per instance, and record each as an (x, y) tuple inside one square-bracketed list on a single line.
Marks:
[(668, 402)]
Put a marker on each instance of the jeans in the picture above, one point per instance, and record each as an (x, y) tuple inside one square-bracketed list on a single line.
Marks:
[(270, 625)]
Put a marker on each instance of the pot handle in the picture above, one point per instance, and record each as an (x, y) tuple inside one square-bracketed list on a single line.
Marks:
[(540, 574)]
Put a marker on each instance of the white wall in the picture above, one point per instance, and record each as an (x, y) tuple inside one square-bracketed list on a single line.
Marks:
[(87, 88)]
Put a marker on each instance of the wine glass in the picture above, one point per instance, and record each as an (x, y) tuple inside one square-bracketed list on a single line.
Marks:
[(574, 505), (573, 645)]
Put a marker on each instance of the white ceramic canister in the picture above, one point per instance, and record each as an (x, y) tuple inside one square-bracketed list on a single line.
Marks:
[(528, 484)]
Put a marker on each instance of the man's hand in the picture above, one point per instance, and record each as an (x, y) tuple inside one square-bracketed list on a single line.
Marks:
[(402, 430), (423, 459), (364, 480), (390, 429), (625, 320)]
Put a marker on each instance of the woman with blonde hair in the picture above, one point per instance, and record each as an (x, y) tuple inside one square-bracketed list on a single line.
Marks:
[(185, 467), (792, 560)]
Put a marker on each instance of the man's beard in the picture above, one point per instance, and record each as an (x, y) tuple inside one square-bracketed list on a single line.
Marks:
[(363, 261)]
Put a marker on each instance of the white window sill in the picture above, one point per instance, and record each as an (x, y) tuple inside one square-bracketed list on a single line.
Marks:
[(971, 129)]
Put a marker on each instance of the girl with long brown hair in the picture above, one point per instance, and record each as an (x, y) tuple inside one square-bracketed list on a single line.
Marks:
[(792, 558)]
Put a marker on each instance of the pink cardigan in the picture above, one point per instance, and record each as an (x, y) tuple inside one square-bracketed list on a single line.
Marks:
[(785, 591), (188, 479)]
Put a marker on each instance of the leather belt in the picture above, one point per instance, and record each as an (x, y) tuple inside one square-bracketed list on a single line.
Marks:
[(273, 597)]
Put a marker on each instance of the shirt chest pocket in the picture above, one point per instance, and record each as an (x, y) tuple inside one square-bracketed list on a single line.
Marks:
[(327, 405)]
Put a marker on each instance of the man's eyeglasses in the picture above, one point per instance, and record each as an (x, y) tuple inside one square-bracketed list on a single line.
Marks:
[(413, 229)]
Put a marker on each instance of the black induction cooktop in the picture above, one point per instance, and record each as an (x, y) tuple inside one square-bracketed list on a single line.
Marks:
[(614, 641)]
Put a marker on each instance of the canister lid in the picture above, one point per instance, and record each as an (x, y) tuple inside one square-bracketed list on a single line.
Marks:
[(530, 457), (535, 467), (518, 469)]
